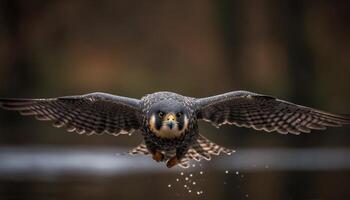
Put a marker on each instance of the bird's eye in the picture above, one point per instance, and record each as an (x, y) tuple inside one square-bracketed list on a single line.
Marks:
[(160, 114), (178, 115)]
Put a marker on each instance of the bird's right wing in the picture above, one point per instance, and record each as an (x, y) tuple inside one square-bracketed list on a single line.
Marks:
[(94, 113), (266, 113)]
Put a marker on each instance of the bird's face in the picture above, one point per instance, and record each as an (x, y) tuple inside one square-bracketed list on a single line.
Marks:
[(168, 122)]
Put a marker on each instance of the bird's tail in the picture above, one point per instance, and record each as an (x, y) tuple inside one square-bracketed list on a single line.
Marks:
[(204, 148), (141, 149), (201, 149)]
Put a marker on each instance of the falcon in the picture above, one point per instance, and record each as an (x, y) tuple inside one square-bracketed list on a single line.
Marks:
[(168, 121)]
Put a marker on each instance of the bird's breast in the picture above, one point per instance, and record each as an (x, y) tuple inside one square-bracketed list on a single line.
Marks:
[(166, 132)]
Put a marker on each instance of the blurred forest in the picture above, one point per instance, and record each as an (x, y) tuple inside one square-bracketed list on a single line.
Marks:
[(292, 49)]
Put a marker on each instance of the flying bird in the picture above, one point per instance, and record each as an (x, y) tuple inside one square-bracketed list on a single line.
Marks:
[(168, 121)]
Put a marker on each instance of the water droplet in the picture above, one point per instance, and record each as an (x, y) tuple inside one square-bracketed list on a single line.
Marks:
[(237, 172), (186, 178), (189, 191), (185, 186), (182, 173), (226, 172), (198, 193), (193, 165), (177, 180), (191, 175), (169, 185), (201, 172), (194, 183)]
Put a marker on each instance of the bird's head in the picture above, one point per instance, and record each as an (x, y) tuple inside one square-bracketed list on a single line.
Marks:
[(168, 119)]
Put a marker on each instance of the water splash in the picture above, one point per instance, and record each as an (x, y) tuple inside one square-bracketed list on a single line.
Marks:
[(200, 192), (189, 181)]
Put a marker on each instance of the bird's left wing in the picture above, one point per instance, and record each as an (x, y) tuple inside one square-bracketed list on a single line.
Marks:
[(261, 112), (94, 113)]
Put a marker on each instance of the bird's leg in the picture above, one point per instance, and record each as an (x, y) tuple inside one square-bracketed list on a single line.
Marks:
[(154, 150), (157, 156), (180, 153), (173, 161)]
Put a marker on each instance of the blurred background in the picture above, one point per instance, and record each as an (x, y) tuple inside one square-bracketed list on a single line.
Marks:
[(295, 50)]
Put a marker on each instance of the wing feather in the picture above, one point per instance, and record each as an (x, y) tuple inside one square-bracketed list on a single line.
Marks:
[(94, 113), (261, 112)]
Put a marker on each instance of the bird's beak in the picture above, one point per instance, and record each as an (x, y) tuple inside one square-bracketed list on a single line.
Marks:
[(170, 125), (170, 120)]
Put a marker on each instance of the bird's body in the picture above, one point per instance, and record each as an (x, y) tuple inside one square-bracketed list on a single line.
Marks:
[(166, 140), (169, 121)]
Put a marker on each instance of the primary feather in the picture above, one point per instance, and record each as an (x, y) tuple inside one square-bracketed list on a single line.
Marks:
[(261, 112), (94, 113)]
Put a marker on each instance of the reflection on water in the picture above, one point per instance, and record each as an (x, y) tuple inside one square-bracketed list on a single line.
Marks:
[(51, 161), (81, 172)]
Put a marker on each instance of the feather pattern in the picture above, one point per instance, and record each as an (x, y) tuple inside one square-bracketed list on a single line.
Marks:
[(94, 113), (261, 112), (142, 150), (203, 148), (98, 113)]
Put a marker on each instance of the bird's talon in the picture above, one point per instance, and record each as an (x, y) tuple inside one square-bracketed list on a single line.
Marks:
[(172, 162), (158, 156)]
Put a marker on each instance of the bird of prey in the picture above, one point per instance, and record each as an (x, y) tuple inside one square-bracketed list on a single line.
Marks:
[(168, 121)]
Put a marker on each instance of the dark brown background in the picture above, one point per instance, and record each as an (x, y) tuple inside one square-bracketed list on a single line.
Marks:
[(296, 50)]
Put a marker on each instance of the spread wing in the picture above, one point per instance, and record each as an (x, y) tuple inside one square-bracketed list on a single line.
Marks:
[(261, 112), (94, 113)]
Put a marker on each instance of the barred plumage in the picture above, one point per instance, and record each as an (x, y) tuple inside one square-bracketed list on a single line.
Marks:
[(176, 139), (95, 113), (261, 112), (201, 149)]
